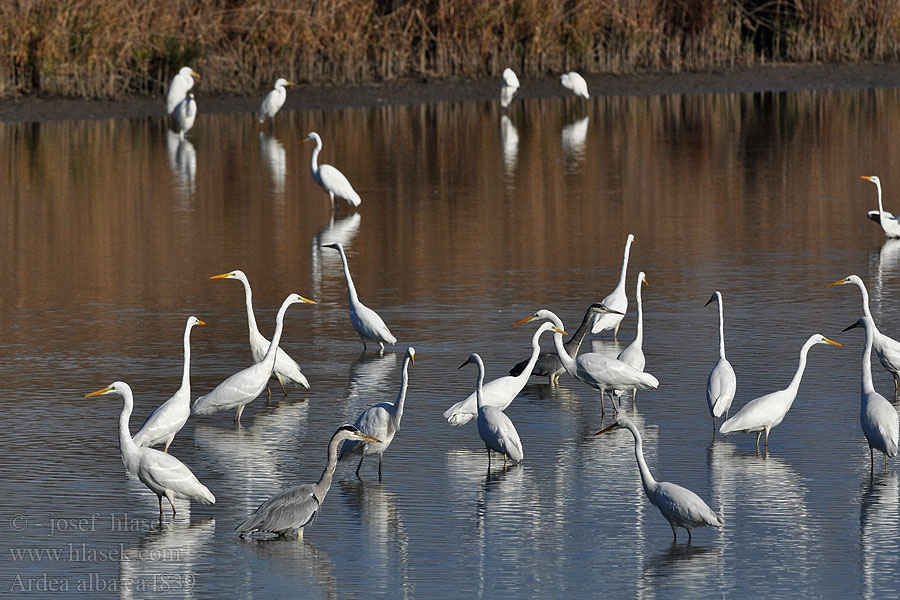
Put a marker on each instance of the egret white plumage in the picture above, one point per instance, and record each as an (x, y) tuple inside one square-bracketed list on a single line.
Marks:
[(164, 474), (290, 510), (184, 114), (179, 88), (886, 349), (366, 321), (170, 416), (499, 393), (878, 419), (274, 100), (329, 178), (286, 370), (680, 506), (244, 386), (616, 301), (633, 355), (889, 223), (509, 87), (548, 363), (763, 413), (575, 82), (603, 373), (722, 384), (381, 421), (496, 430)]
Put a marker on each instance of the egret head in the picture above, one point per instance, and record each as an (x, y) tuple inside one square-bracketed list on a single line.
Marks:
[(313, 136), (849, 279), (713, 298), (118, 387), (236, 274), (282, 81), (473, 359), (620, 422), (541, 314), (336, 245), (188, 72), (861, 322), (821, 339), (642, 277), (298, 299), (192, 320), (411, 353), (873, 178)]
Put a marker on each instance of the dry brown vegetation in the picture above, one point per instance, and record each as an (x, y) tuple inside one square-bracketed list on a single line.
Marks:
[(124, 47)]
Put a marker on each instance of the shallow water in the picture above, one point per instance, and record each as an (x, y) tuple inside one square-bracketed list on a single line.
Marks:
[(471, 220)]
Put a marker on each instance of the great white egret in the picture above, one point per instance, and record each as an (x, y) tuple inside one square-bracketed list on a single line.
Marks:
[(680, 506), (888, 222), (617, 300), (290, 510), (366, 321), (633, 355), (244, 386), (168, 419), (763, 413), (184, 114), (179, 88), (164, 474), (886, 349), (548, 363), (329, 178), (508, 87), (722, 384), (499, 393), (286, 371), (575, 82), (274, 100), (494, 427), (878, 419), (603, 373), (380, 421)]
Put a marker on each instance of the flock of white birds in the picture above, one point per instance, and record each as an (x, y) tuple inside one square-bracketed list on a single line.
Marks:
[(290, 510)]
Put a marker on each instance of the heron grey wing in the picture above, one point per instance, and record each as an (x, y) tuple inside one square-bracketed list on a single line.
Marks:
[(287, 510)]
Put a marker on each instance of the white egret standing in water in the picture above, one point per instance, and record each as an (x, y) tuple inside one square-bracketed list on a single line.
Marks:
[(888, 222), (292, 509), (366, 321), (496, 430), (170, 416), (329, 178), (508, 87), (548, 363), (244, 386), (179, 88), (722, 384), (185, 113), (164, 474), (886, 349), (381, 421), (763, 413), (680, 506), (274, 100), (633, 355), (575, 82), (286, 370), (878, 419), (616, 301)]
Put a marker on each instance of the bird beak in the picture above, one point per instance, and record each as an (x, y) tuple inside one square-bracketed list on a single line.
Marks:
[(605, 308), (195, 74), (369, 439), (412, 359), (645, 281), (558, 330), (711, 298), (832, 342), (99, 392), (525, 320), (841, 282), (307, 300), (464, 364), (291, 83), (222, 276), (199, 322), (866, 177), (848, 328), (610, 428)]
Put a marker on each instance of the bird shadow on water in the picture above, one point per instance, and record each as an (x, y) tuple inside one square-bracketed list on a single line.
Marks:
[(681, 563)]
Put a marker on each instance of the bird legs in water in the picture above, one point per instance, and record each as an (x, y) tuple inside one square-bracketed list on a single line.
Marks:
[(896, 381), (675, 533), (379, 465), (612, 400), (172, 504), (359, 465), (767, 440), (872, 461)]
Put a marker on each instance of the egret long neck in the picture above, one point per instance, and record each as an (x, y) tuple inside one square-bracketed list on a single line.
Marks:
[(721, 329), (401, 397), (795, 382), (567, 361), (324, 482), (131, 454), (639, 337), (646, 477), (866, 381), (880, 206), (351, 289), (479, 385), (269, 359), (314, 161), (865, 296), (251, 318), (535, 353), (621, 286), (186, 375)]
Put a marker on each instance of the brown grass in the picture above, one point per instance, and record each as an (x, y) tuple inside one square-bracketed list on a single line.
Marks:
[(124, 47)]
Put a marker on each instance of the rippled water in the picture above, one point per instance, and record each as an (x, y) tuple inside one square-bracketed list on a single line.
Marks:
[(471, 220)]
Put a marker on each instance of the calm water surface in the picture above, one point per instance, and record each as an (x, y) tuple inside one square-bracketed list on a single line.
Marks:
[(470, 221)]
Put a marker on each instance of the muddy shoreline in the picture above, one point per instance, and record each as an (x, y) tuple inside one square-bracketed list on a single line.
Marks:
[(757, 79)]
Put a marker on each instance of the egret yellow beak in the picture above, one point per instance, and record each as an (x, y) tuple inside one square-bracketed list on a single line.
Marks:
[(832, 342), (99, 392), (195, 74), (223, 275), (841, 282), (645, 281), (199, 322), (524, 320), (610, 428), (866, 177), (307, 300), (558, 330)]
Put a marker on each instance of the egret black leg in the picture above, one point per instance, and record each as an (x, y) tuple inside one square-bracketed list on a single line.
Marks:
[(379, 467), (359, 465)]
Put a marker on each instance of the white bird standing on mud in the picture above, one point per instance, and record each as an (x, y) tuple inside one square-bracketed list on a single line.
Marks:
[(274, 100), (509, 87), (575, 82), (179, 88), (329, 178)]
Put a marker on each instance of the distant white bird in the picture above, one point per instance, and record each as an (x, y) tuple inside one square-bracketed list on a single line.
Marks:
[(888, 222), (722, 384), (168, 419), (633, 355), (494, 427), (886, 349), (274, 100), (603, 373), (179, 88), (286, 371), (878, 419), (365, 320), (164, 474), (185, 113), (680, 506), (244, 386), (292, 509), (616, 301), (575, 82), (329, 178), (381, 422), (508, 87), (763, 413), (499, 393)]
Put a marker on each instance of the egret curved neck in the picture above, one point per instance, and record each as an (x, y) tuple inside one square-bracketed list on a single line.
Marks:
[(279, 326), (567, 361), (865, 294), (131, 454), (251, 317), (646, 477), (639, 336), (621, 285), (401, 396), (314, 161), (880, 206), (351, 289), (866, 381), (186, 375), (721, 329), (795, 382)]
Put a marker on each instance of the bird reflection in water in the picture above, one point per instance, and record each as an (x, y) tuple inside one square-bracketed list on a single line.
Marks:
[(183, 161), (574, 136), (683, 570), (369, 372), (509, 142), (272, 153), (879, 534), (324, 260), (294, 564)]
